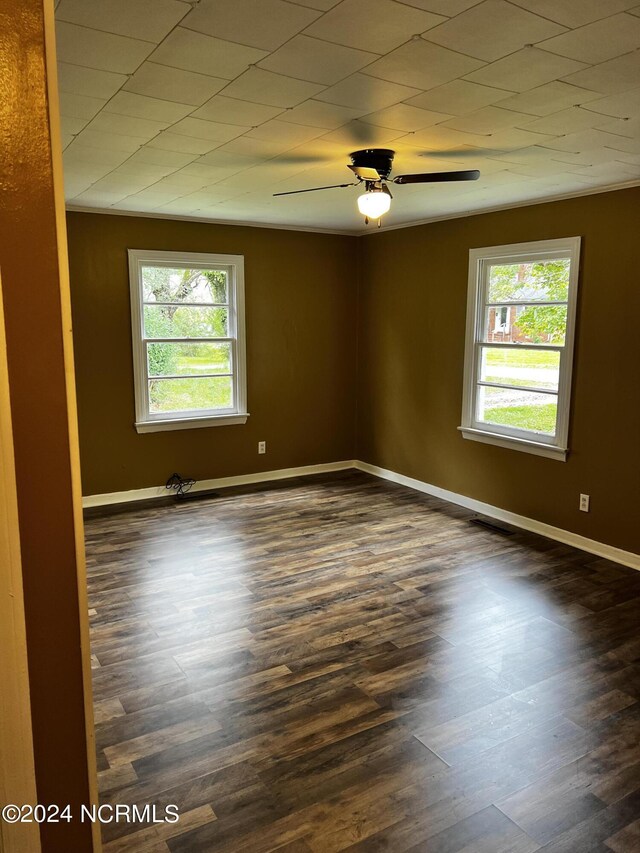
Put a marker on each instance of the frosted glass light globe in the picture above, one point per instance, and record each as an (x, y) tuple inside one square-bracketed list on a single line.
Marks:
[(374, 203)]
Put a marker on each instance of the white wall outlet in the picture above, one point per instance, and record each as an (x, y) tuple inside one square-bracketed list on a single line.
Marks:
[(262, 447), (584, 503)]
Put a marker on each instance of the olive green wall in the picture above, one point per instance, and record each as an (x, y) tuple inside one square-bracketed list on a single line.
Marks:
[(411, 327), (300, 297)]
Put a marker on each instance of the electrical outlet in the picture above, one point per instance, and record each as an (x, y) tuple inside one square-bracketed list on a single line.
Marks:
[(584, 503), (262, 447)]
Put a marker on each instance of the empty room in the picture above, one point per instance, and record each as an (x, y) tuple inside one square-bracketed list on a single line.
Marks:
[(320, 426)]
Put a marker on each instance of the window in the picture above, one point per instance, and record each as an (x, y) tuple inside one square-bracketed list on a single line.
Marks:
[(188, 339), (519, 347)]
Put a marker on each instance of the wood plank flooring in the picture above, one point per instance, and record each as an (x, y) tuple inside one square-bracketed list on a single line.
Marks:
[(339, 663)]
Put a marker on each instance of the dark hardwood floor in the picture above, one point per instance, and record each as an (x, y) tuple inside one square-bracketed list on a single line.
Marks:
[(338, 663)]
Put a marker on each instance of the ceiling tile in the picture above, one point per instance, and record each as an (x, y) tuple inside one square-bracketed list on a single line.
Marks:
[(92, 198), (104, 51), (566, 121), (224, 160), (448, 8), (134, 168), (280, 131), (492, 30), (180, 181), (368, 93), (629, 128), (233, 111), (77, 80), (622, 105), (584, 141), (156, 197), (80, 106), (575, 13), (141, 106), (458, 97), (117, 142), (599, 41), (615, 75), (319, 114), (375, 25), (357, 134), (156, 157), (200, 129), (487, 120), (264, 87), (547, 99), (71, 127), (445, 139), (193, 51), (126, 125), (247, 146), (149, 20), (84, 154), (185, 144), (524, 70), (260, 23), (114, 182), (317, 61), (320, 5), (174, 84), (404, 117), (422, 64)]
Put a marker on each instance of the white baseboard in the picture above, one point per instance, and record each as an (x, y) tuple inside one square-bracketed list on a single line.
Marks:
[(617, 555), (218, 483)]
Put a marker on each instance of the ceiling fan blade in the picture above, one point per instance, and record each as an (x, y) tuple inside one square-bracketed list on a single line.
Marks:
[(365, 173), (438, 177), (315, 189)]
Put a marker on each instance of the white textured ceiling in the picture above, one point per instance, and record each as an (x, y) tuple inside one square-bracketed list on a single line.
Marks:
[(204, 109)]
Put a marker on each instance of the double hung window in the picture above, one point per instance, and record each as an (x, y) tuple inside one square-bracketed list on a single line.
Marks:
[(188, 339), (519, 345)]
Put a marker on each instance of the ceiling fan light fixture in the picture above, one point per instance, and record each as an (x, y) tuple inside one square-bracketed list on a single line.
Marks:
[(374, 203)]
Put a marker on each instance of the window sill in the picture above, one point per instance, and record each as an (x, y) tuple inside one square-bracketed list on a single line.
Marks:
[(523, 444), (191, 423)]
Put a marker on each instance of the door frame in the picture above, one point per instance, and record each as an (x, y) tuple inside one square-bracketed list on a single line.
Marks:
[(17, 772)]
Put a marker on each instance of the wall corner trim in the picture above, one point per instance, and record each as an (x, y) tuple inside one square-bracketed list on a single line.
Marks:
[(566, 537), (608, 552)]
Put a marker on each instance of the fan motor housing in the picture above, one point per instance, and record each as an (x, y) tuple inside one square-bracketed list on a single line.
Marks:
[(380, 159)]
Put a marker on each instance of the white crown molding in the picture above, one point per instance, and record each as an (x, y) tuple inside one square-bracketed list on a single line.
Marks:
[(608, 552), (463, 214), (172, 217), (153, 492), (611, 188)]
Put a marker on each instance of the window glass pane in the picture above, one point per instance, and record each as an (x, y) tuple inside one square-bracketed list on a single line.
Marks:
[(519, 409), (521, 366), (535, 281), (185, 359), (165, 321), (166, 284), (526, 324), (183, 395)]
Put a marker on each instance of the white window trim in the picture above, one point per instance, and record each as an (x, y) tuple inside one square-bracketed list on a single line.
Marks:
[(504, 436), (148, 422)]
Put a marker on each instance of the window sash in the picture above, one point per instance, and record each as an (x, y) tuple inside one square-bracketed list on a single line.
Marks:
[(480, 262), (232, 265)]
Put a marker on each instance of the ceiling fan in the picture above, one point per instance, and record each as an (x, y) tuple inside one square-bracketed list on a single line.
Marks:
[(372, 167)]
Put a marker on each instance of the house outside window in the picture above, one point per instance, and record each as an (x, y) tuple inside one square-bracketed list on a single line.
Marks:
[(519, 345), (188, 339)]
